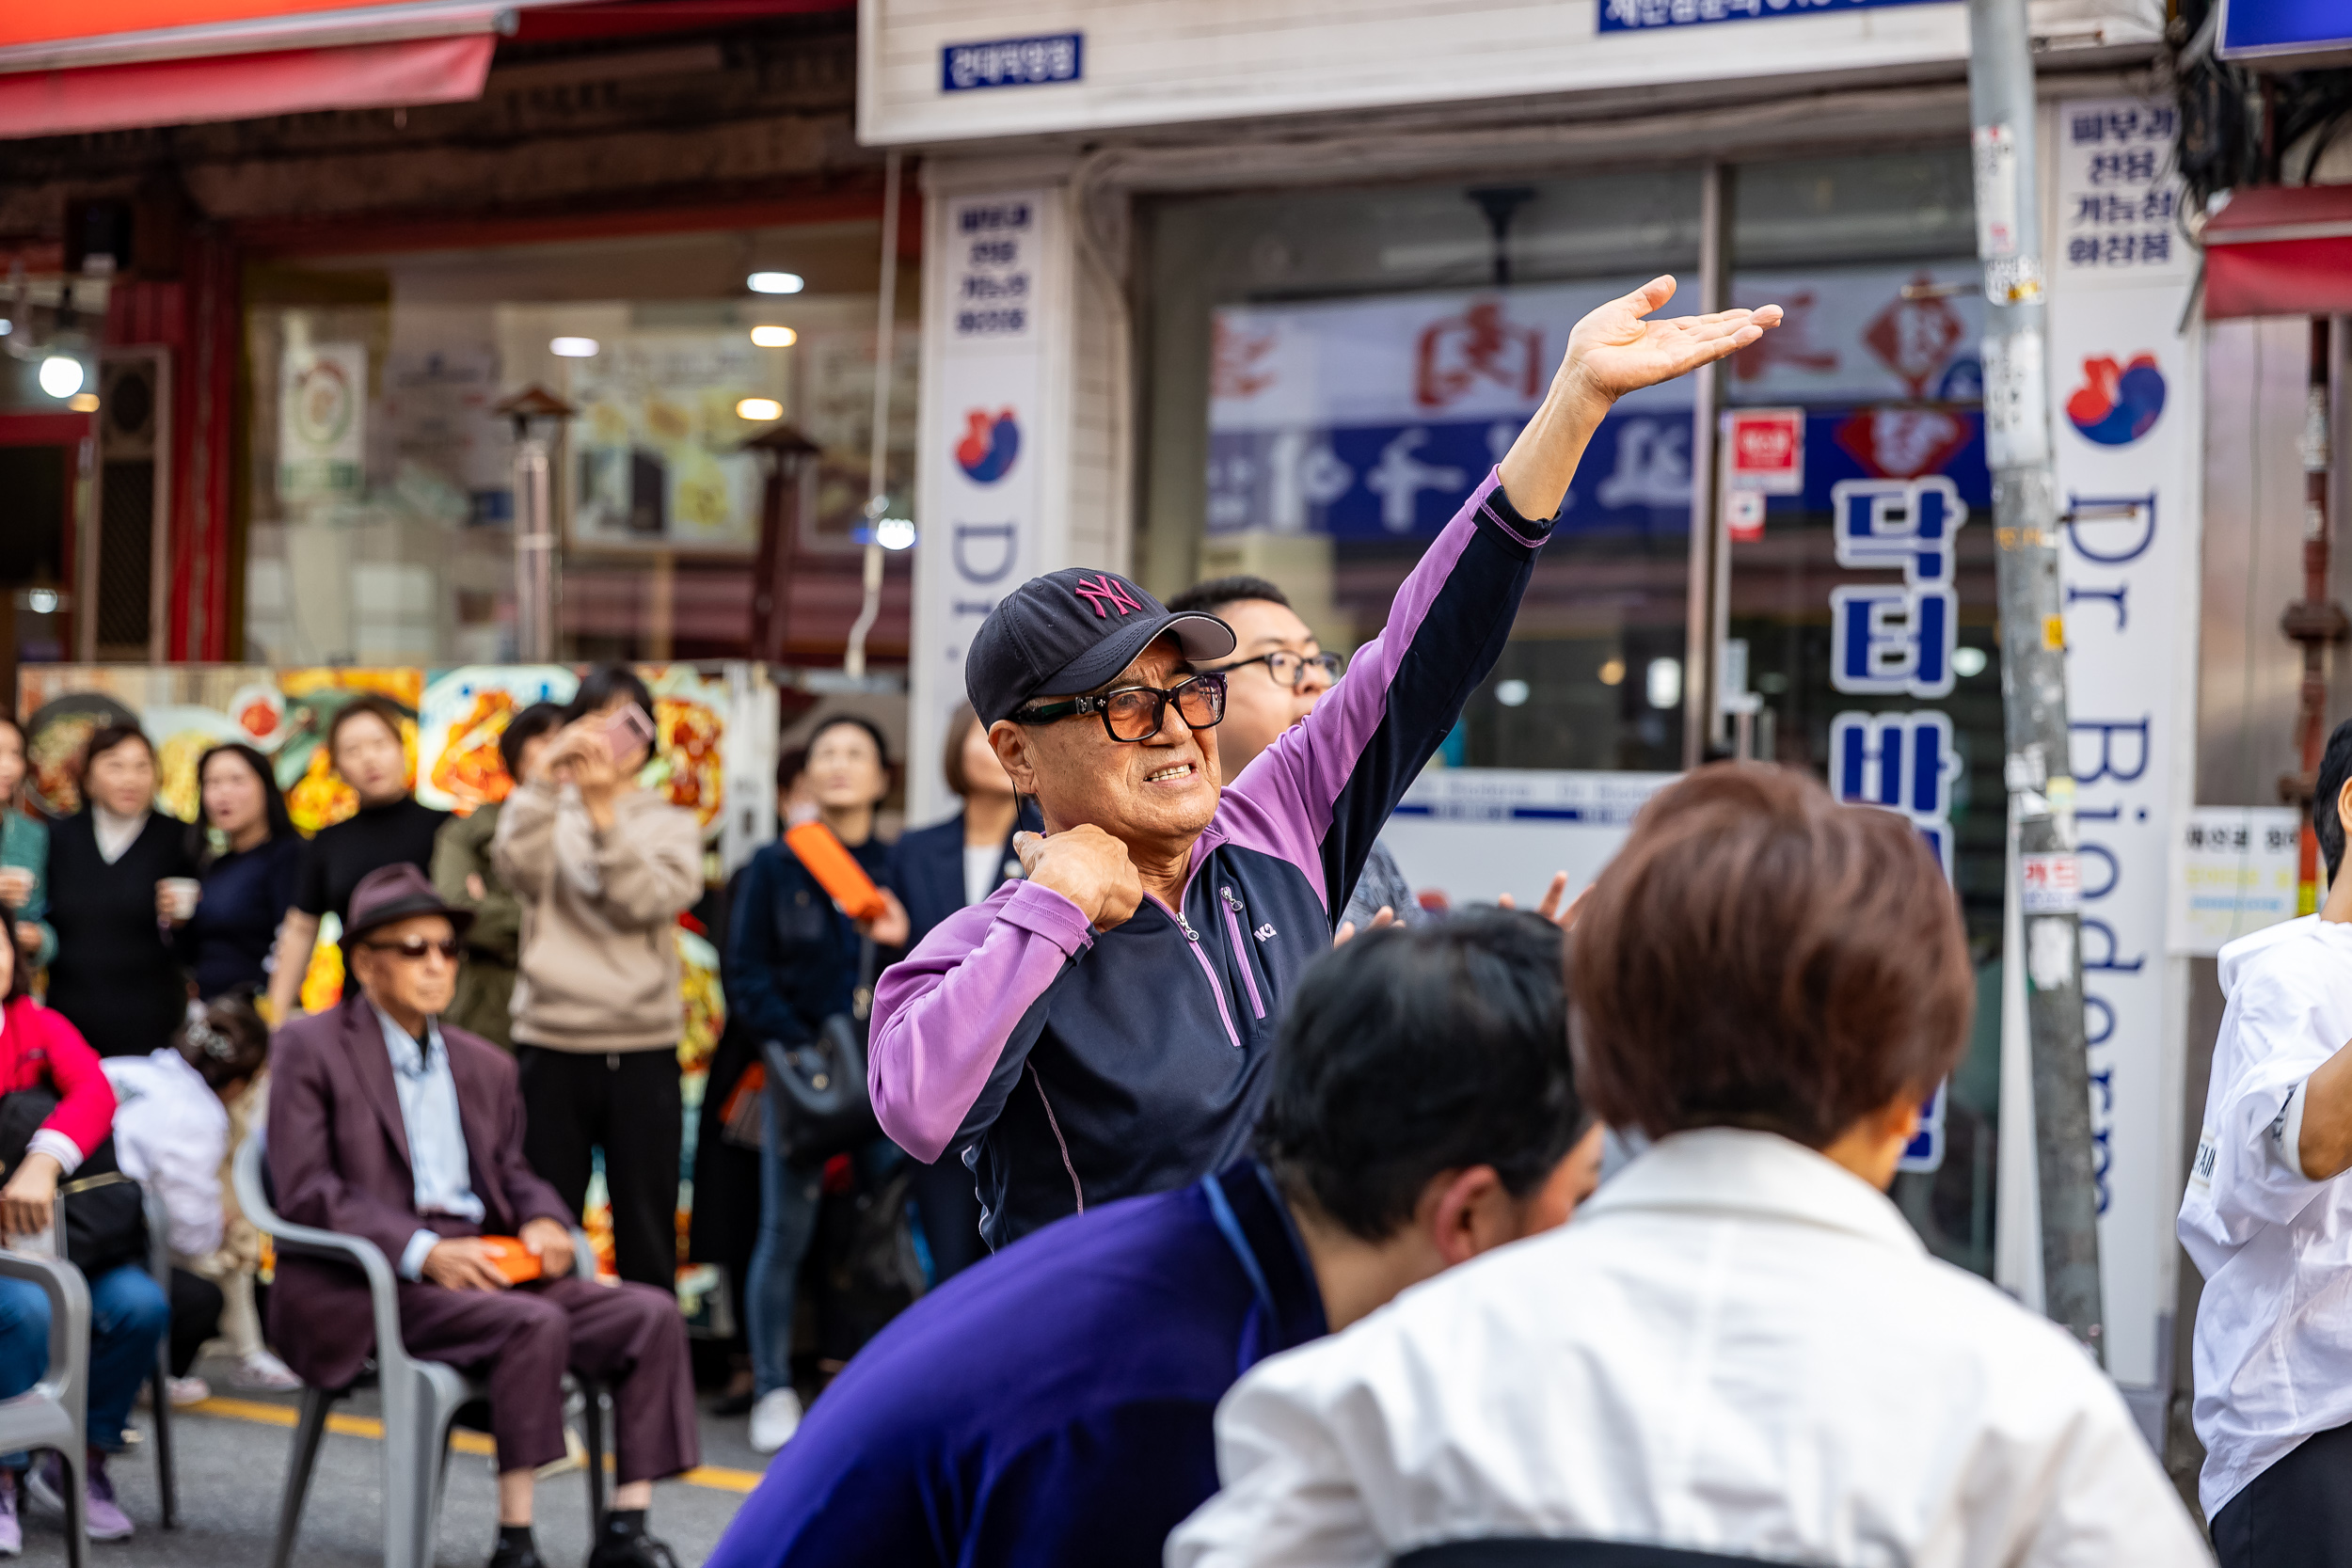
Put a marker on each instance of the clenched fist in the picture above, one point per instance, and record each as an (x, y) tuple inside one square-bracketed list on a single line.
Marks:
[(1089, 867)]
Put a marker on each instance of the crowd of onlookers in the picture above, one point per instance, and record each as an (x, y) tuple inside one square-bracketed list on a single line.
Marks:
[(162, 952)]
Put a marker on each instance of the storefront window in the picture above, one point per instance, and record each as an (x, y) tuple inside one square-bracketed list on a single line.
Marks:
[(1333, 370), (381, 484), (1862, 612)]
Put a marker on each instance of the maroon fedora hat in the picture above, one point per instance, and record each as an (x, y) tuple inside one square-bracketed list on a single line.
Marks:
[(396, 891)]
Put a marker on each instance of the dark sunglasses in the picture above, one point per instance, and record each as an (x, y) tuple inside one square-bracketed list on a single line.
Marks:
[(415, 948), (1132, 713)]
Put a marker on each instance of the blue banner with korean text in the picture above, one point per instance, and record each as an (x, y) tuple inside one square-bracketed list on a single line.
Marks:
[(1634, 16)]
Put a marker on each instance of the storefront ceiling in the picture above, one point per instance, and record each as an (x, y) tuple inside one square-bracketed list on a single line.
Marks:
[(2280, 251)]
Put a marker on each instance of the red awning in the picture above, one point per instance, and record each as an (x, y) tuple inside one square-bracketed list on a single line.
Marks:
[(244, 86), (2282, 250)]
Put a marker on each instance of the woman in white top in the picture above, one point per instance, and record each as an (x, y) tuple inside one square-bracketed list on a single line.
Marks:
[(1738, 1349)]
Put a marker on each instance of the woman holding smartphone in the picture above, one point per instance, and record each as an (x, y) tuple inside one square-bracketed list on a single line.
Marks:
[(602, 869)]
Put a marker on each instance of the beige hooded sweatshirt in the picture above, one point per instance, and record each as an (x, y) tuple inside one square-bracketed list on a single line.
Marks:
[(599, 965)]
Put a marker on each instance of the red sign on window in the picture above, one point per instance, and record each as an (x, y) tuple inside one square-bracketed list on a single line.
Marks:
[(1765, 450)]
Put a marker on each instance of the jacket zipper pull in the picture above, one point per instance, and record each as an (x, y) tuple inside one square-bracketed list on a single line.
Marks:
[(1185, 926), (1231, 902)]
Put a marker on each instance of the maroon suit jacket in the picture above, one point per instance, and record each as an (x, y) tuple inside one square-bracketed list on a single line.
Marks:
[(338, 1160)]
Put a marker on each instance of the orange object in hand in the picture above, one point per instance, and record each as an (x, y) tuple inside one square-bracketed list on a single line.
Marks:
[(517, 1262), (837, 870)]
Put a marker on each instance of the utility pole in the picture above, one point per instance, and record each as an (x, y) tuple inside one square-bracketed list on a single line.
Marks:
[(2037, 769)]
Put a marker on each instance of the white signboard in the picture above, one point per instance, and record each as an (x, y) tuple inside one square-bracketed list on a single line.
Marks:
[(2126, 427), (1474, 833), (322, 421), (932, 73), (978, 467), (2233, 872)]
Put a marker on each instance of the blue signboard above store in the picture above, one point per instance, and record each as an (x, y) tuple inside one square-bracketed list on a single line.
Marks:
[(1012, 62), (1641, 16), (2286, 35)]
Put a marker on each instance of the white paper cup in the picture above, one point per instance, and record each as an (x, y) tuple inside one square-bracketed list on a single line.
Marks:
[(16, 885), (179, 896)]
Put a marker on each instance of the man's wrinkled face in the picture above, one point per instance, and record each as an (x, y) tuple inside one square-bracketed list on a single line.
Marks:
[(1258, 708), (1143, 791), (400, 965)]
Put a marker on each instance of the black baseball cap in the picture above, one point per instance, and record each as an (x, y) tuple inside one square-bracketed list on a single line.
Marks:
[(1070, 631)]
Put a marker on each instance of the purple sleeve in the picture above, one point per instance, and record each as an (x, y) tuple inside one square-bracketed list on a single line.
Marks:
[(945, 1015), (1318, 796)]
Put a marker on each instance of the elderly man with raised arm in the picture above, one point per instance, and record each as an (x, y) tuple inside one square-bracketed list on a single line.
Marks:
[(1101, 1028)]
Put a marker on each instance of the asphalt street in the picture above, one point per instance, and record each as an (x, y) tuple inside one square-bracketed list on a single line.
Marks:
[(231, 1462)]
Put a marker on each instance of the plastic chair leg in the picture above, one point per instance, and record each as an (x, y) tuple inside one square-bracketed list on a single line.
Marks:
[(76, 1507), (166, 1479), (310, 1426), (592, 1400)]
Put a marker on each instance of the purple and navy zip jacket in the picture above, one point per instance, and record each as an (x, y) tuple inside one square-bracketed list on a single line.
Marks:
[(1074, 1067)]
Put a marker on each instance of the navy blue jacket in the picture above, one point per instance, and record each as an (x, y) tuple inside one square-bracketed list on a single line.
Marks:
[(1050, 1406), (791, 958), (1089, 1067), (927, 869)]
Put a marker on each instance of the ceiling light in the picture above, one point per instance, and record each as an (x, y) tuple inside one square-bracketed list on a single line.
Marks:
[(1968, 662), (572, 348), (1662, 682), (760, 409), (1612, 671), (775, 283), (83, 403), (894, 533), (42, 601), (774, 337), (1511, 693), (61, 375)]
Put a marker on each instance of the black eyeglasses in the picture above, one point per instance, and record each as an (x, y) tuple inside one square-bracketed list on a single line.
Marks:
[(1289, 669), (1132, 713), (415, 948)]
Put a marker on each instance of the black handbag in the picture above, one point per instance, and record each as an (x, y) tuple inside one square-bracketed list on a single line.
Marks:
[(105, 1213), (817, 1087)]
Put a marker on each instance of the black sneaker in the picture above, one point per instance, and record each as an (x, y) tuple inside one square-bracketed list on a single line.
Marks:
[(517, 1557), (630, 1551)]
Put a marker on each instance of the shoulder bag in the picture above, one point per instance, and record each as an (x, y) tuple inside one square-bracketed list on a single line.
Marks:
[(817, 1087)]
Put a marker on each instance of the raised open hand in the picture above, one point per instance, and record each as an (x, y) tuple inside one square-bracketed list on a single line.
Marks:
[(1615, 351)]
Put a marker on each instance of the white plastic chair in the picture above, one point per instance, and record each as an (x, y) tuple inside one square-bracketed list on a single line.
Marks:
[(420, 1399), (54, 1412), (159, 1264)]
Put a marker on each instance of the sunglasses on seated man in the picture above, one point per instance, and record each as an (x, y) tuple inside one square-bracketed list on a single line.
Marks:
[(1132, 713), (1287, 668), (415, 948)]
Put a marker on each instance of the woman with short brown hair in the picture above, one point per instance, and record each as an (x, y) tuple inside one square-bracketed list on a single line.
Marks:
[(1738, 1350)]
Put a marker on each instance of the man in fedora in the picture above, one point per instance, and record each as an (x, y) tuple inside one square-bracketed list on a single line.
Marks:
[(386, 1125)]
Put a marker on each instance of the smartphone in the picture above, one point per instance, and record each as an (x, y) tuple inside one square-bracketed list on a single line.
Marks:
[(628, 732)]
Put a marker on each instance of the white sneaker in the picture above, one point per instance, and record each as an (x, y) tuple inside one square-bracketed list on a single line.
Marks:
[(774, 1419), (188, 1390), (264, 1371)]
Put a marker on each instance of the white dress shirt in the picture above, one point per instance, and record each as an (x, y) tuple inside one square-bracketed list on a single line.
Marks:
[(436, 1135), (171, 1133), (2273, 1352), (1735, 1347)]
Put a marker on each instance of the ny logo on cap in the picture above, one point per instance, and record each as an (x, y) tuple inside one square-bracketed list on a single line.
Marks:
[(1105, 593)]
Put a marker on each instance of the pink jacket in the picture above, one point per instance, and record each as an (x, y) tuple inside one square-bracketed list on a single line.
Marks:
[(40, 1047)]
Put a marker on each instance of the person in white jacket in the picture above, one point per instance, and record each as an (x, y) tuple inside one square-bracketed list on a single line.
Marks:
[(1737, 1347), (2266, 1217), (171, 1133)]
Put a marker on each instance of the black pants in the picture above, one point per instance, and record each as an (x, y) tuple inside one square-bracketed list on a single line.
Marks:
[(2296, 1515), (626, 1103), (195, 1318)]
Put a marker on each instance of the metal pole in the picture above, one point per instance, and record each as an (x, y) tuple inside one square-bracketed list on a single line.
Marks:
[(2316, 621), (534, 545), (878, 454), (1709, 576), (2038, 769)]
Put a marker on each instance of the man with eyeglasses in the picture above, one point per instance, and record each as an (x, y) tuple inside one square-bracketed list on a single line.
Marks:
[(1278, 673), (386, 1125), (1100, 1029)]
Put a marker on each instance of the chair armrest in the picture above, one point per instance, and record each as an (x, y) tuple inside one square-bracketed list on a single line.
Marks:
[(68, 1308), (383, 1286), (583, 1255)]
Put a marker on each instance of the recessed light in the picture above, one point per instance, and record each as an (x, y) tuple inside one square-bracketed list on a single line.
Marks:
[(83, 403), (573, 348), (759, 410), (1612, 671), (774, 337), (775, 283), (894, 533), (1968, 662), (1511, 693), (61, 375)]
